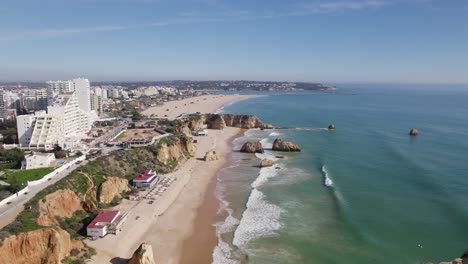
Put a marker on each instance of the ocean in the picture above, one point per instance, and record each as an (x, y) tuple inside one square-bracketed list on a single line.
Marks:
[(393, 198)]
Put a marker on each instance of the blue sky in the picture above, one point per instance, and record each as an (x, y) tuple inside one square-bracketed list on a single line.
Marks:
[(396, 41)]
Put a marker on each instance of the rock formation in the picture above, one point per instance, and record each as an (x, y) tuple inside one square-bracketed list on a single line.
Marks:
[(88, 206), (413, 132), (331, 127), (62, 203), (215, 121), (266, 163), (184, 130), (252, 147), (197, 124), (112, 188), (285, 145), (461, 260), (143, 255), (45, 246), (180, 148), (210, 155)]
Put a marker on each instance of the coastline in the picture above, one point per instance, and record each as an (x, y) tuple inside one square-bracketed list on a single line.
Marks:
[(199, 245), (169, 224)]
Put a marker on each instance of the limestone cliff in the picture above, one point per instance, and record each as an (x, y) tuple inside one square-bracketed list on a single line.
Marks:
[(197, 124), (112, 188), (176, 149), (61, 203), (215, 121), (40, 246), (184, 130)]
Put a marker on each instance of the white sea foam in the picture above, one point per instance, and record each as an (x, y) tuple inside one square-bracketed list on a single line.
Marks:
[(265, 174), (260, 219), (326, 179), (222, 253), (274, 134)]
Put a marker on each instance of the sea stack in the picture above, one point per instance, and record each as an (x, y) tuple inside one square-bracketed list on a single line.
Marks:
[(252, 147), (331, 127), (285, 145), (413, 132)]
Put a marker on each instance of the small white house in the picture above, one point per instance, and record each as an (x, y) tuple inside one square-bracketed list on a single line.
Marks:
[(203, 132), (37, 160)]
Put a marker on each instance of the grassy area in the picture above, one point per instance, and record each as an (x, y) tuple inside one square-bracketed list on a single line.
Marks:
[(17, 178), (122, 135)]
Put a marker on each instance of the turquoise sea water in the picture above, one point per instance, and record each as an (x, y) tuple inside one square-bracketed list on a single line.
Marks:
[(394, 198)]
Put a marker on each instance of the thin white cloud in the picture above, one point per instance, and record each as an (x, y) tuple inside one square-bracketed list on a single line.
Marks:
[(334, 6), (54, 32)]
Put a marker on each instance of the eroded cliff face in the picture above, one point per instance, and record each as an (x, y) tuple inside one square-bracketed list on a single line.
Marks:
[(62, 203), (181, 148), (143, 255), (215, 121), (197, 124), (43, 246), (113, 187)]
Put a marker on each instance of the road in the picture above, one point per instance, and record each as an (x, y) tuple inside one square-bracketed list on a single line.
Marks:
[(9, 212)]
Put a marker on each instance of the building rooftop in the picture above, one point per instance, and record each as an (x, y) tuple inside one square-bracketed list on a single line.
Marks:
[(108, 216), (146, 176)]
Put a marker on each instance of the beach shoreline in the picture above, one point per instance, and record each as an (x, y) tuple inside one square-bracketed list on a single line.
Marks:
[(171, 221), (199, 246)]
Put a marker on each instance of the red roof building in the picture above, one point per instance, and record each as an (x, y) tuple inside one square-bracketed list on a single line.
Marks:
[(106, 221), (146, 180)]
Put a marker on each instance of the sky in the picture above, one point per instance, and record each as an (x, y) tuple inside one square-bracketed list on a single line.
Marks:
[(386, 41)]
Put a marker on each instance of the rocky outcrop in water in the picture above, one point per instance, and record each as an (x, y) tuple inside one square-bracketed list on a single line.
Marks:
[(143, 255), (61, 203), (413, 132), (45, 246), (331, 127), (252, 147), (112, 188), (210, 156), (461, 260), (266, 163), (285, 145)]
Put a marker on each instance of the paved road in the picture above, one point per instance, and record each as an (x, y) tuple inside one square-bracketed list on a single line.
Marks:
[(9, 211)]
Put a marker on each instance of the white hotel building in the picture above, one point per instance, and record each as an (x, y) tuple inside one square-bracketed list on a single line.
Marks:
[(68, 117)]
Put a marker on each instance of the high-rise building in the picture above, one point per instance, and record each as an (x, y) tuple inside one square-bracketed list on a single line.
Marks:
[(82, 90), (41, 99), (56, 87), (65, 124), (2, 105), (96, 102)]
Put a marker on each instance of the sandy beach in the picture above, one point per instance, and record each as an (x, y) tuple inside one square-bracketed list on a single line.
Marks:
[(189, 204), (202, 104)]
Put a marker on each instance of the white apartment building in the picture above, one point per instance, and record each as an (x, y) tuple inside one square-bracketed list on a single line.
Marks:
[(79, 85), (56, 87), (25, 127), (82, 90), (96, 102), (65, 125)]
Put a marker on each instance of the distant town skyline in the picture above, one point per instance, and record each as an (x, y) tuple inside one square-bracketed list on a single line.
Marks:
[(326, 41)]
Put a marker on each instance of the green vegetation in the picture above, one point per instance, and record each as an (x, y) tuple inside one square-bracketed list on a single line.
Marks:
[(122, 135), (10, 159), (8, 130), (17, 179), (136, 116), (125, 164)]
